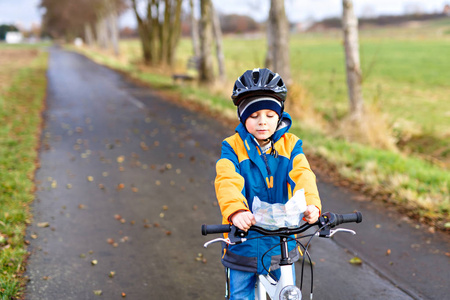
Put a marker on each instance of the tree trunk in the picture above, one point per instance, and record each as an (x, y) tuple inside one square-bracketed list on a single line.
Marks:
[(354, 74), (102, 33), (165, 32), (88, 34), (111, 14), (145, 32), (159, 32), (218, 39), (114, 32), (194, 31), (277, 58), (206, 74), (175, 32)]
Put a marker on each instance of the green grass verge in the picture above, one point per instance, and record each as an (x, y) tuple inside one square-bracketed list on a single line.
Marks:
[(20, 111)]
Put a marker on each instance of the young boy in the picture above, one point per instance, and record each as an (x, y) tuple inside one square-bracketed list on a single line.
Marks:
[(261, 159)]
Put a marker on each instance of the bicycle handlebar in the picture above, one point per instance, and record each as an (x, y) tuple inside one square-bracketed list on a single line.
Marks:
[(337, 219), (327, 219), (209, 229)]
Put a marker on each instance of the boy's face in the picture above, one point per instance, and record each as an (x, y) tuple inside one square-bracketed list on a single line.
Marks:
[(262, 124)]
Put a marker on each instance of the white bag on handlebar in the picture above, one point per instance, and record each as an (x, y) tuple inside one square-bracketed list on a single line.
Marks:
[(277, 215)]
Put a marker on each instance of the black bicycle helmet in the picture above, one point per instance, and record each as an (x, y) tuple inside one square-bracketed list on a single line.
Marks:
[(259, 82)]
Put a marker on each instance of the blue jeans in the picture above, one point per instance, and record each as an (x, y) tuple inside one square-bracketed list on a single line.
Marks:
[(242, 284)]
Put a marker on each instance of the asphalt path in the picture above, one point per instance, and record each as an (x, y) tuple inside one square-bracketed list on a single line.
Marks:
[(126, 180)]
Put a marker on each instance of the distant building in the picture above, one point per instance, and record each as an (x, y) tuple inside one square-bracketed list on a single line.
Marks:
[(13, 37)]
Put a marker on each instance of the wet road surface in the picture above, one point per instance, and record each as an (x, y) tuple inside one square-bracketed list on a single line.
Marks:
[(126, 180)]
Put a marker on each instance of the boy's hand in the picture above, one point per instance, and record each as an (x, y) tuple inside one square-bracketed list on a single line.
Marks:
[(243, 220), (311, 214)]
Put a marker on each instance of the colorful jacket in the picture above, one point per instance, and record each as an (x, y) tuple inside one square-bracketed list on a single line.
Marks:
[(244, 172)]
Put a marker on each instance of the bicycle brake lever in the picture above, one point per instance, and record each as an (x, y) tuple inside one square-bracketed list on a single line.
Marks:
[(334, 231), (227, 240), (216, 241)]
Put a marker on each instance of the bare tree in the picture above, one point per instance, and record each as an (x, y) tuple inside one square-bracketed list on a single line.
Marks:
[(88, 34), (218, 40), (354, 74), (159, 30), (206, 73), (194, 30), (277, 58)]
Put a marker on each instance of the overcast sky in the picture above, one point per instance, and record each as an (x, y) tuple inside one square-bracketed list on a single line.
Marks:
[(26, 12)]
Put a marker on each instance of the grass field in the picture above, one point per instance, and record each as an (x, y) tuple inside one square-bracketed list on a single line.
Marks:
[(22, 91), (406, 92)]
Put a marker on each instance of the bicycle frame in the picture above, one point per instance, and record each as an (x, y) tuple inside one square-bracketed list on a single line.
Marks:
[(266, 284)]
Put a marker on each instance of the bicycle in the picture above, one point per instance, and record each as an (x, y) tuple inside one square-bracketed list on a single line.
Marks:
[(284, 287)]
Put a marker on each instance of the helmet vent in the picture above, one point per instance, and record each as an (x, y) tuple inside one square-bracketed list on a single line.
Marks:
[(269, 79), (242, 79), (280, 82), (255, 77)]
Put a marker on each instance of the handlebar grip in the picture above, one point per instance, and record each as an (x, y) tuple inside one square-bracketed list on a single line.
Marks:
[(355, 217), (222, 228)]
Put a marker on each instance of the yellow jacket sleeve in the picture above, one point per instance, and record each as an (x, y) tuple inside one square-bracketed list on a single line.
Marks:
[(229, 185), (304, 178)]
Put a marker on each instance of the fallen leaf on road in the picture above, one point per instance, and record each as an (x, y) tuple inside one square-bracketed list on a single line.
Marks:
[(112, 274), (120, 159), (98, 292), (82, 206), (117, 217), (110, 241), (144, 146), (43, 224), (388, 252), (124, 295), (94, 262), (54, 184), (69, 186), (355, 261), (165, 207), (120, 186), (90, 178)]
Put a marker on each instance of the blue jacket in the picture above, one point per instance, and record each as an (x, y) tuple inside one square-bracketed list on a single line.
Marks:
[(244, 172)]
